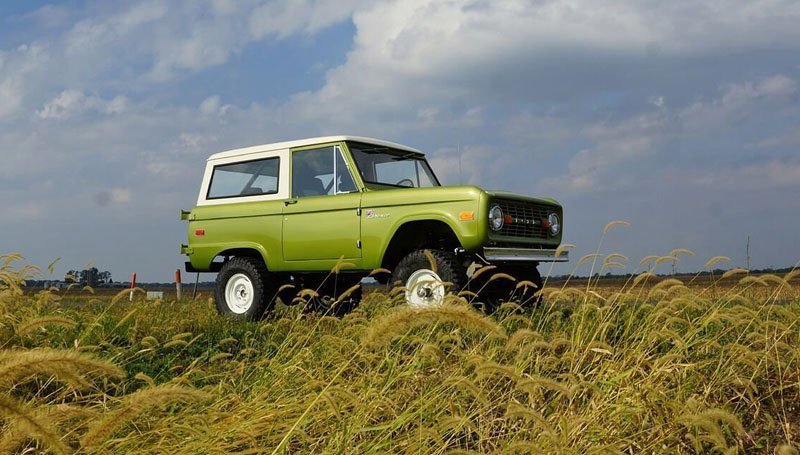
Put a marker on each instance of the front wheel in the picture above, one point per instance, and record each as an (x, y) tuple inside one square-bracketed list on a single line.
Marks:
[(244, 289), (426, 275)]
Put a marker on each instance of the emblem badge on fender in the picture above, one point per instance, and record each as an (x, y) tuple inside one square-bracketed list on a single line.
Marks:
[(371, 213)]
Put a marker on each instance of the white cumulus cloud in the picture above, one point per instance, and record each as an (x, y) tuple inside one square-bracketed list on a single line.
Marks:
[(74, 102), (737, 101)]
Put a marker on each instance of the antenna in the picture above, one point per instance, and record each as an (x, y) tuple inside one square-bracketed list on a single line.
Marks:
[(460, 175)]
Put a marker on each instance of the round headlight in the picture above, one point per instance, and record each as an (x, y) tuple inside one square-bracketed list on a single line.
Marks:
[(495, 217), (555, 224)]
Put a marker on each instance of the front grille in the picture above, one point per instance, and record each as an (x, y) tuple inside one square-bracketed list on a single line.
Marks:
[(527, 219)]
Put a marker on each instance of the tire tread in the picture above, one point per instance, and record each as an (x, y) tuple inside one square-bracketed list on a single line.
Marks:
[(448, 267), (263, 286)]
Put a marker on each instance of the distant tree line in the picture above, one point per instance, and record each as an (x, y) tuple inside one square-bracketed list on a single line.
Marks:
[(715, 272), (89, 277)]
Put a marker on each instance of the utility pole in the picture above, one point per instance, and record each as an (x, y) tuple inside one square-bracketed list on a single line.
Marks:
[(747, 254)]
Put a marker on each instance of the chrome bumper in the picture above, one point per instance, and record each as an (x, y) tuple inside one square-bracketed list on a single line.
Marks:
[(523, 254)]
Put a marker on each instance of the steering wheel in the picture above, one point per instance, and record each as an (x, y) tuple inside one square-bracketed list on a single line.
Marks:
[(410, 183)]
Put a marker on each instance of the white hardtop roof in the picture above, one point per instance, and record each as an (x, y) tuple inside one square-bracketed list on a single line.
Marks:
[(305, 142)]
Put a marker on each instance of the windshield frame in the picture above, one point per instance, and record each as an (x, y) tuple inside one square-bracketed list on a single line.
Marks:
[(405, 155)]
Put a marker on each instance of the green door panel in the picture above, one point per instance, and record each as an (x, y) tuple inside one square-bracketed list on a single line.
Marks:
[(322, 227), (321, 221)]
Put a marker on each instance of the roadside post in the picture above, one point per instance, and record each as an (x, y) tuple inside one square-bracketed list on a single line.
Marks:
[(178, 283), (133, 285), (196, 281)]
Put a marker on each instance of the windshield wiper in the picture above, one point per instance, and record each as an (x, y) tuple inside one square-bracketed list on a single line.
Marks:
[(372, 150)]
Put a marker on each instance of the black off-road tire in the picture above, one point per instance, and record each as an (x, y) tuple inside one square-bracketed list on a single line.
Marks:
[(531, 297), (329, 302), (493, 293), (329, 306), (263, 288), (288, 295), (447, 267)]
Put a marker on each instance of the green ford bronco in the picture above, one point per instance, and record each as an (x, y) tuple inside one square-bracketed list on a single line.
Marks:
[(274, 220)]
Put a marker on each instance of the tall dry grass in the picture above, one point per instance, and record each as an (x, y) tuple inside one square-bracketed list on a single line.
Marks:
[(652, 366)]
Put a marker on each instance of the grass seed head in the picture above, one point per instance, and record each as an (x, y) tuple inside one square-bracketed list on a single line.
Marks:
[(133, 405), (35, 323), (18, 365), (405, 318), (23, 417)]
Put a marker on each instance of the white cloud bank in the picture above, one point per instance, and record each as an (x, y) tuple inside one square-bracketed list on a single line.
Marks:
[(75, 102), (417, 52)]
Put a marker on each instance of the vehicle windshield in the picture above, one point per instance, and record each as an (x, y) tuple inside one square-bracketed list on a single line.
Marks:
[(386, 166)]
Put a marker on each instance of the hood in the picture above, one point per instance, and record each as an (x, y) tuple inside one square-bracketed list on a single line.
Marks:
[(424, 195), (450, 193), (520, 197)]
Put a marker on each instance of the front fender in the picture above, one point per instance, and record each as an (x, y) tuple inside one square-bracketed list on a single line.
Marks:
[(377, 239)]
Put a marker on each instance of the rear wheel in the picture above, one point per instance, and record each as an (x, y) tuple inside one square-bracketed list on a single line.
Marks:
[(426, 277), (331, 304), (336, 294), (244, 289)]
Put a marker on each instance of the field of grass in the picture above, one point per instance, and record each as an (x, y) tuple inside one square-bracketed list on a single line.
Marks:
[(649, 366)]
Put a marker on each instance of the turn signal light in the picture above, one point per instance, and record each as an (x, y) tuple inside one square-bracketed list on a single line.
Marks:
[(466, 216)]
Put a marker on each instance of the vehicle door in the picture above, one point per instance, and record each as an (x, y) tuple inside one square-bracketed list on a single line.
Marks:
[(321, 220)]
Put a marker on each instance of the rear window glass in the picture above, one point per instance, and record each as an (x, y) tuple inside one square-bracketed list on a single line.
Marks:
[(250, 178)]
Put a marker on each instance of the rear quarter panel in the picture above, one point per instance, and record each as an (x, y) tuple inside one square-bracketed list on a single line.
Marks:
[(255, 225)]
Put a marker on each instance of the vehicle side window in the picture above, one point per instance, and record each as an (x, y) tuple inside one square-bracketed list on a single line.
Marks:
[(313, 173), (249, 178)]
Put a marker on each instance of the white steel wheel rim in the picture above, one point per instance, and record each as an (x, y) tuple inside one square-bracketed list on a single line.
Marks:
[(424, 289), (239, 293)]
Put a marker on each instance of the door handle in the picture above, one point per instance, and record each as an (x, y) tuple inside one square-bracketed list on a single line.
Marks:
[(290, 202)]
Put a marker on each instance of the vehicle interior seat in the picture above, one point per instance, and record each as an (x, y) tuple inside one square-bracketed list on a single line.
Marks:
[(305, 184), (251, 191)]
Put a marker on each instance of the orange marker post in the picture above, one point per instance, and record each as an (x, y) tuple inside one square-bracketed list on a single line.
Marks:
[(133, 285), (178, 283)]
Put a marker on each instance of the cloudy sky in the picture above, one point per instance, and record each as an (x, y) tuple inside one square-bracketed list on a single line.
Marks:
[(681, 117)]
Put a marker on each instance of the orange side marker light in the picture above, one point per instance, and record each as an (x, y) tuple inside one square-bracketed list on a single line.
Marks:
[(466, 216)]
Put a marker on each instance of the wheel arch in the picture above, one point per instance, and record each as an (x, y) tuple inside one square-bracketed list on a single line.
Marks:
[(251, 251), (417, 234)]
